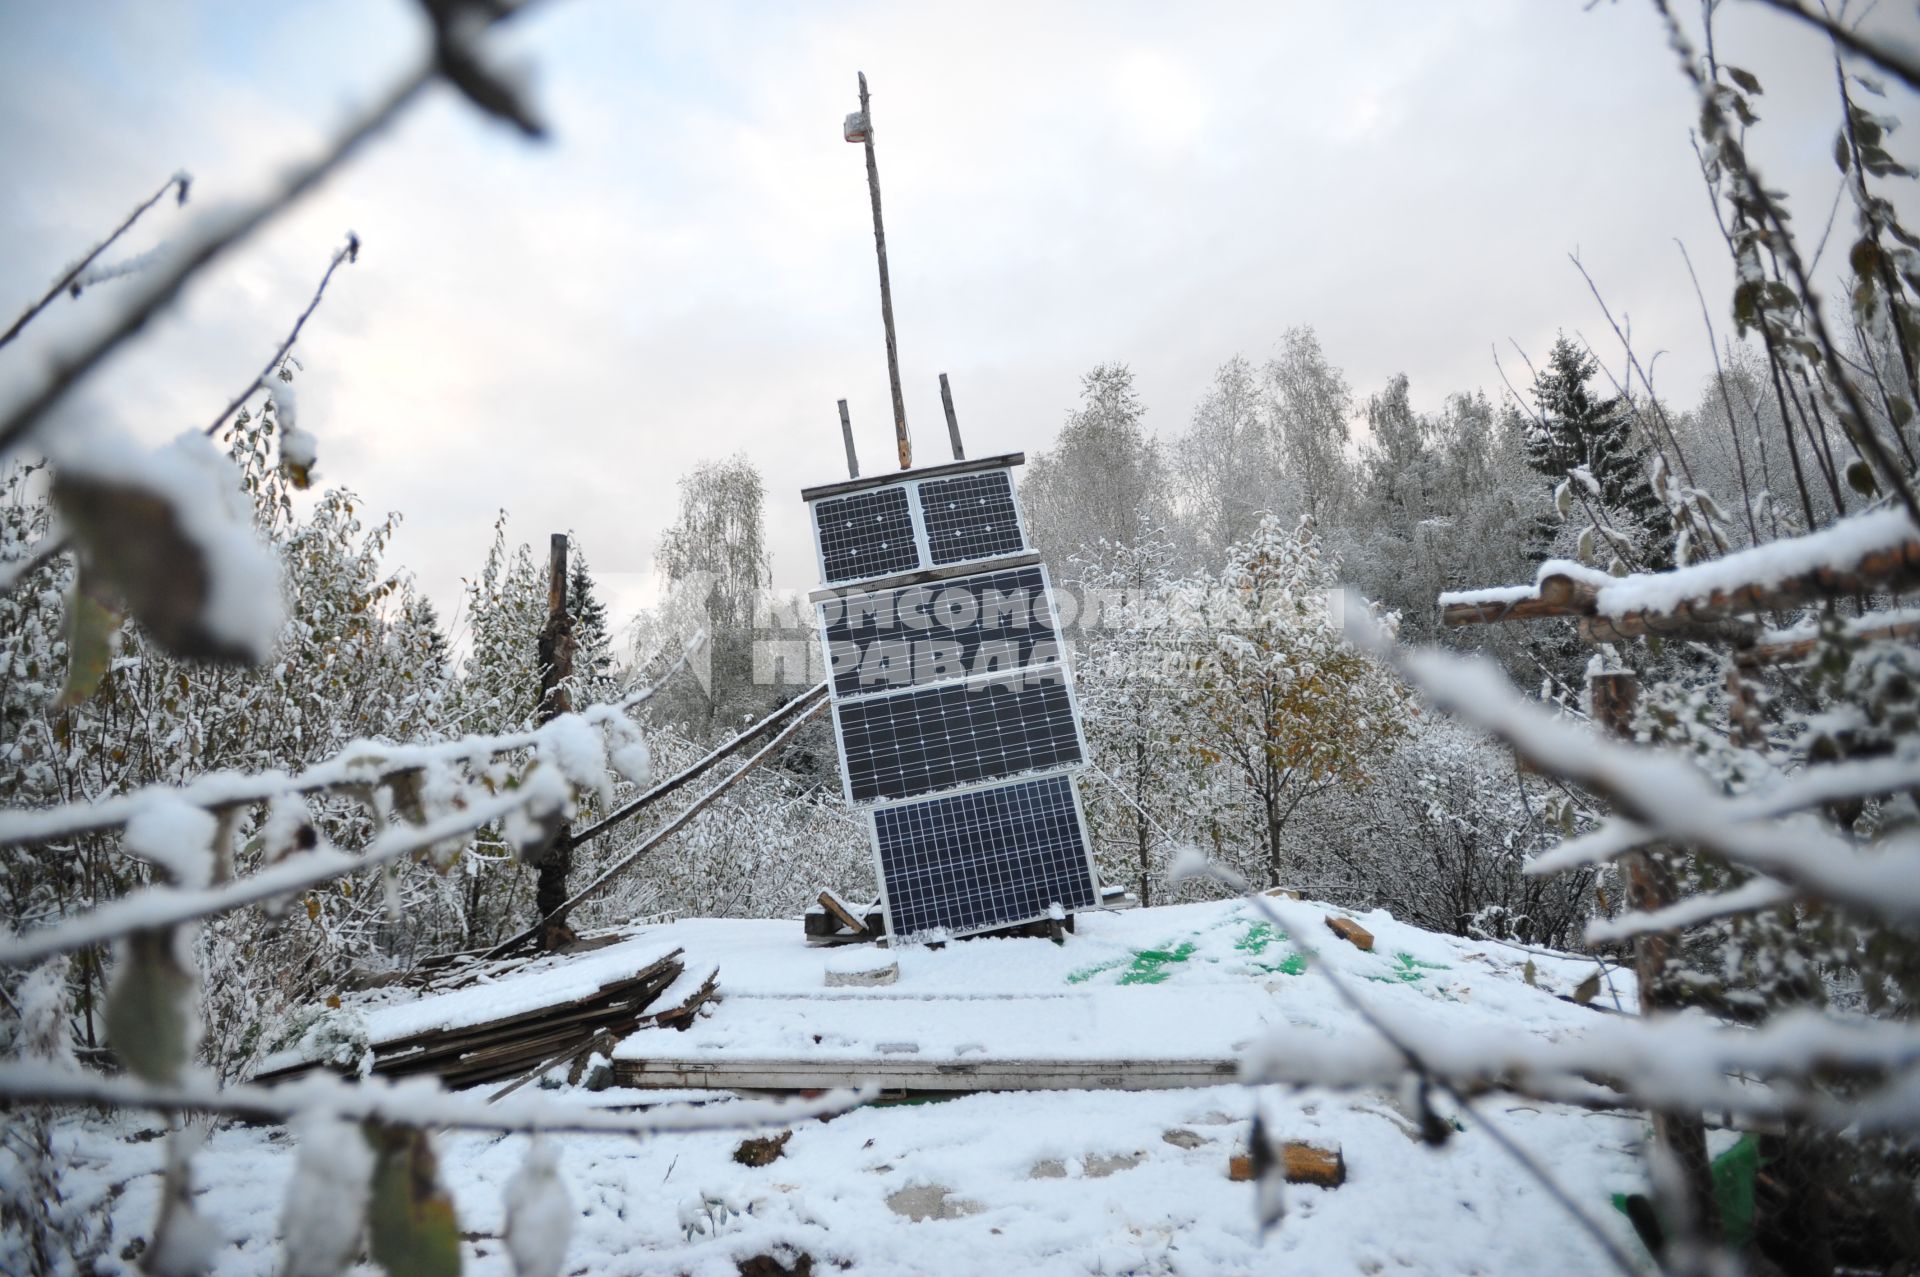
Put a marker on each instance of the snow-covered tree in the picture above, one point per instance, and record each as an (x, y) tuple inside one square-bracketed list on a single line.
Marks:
[(1283, 707), (1103, 483)]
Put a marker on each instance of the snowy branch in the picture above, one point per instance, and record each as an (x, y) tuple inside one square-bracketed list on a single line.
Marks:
[(75, 274), (1664, 798), (457, 56), (166, 906), (348, 252), (1674, 1063), (362, 766), (417, 1103)]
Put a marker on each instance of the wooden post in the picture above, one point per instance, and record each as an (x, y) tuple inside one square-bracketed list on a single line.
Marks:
[(1613, 695), (886, 287), (846, 437), (953, 422), (556, 667)]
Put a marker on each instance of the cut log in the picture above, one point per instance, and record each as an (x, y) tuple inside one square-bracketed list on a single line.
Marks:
[(1301, 1164), (1350, 931), (1310, 1164)]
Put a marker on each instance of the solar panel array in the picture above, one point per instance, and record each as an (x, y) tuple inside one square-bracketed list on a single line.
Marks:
[(992, 623), (952, 706), (969, 861), (866, 534), (935, 738), (971, 517)]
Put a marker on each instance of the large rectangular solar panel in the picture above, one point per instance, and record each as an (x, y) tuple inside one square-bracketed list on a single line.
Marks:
[(935, 738), (920, 634), (984, 858), (866, 534), (970, 517)]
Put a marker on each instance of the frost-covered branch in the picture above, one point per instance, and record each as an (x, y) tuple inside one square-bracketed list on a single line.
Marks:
[(542, 790), (1673, 1062), (457, 56), (1664, 798), (1885, 54), (361, 766), (349, 253), (414, 1103), (74, 276)]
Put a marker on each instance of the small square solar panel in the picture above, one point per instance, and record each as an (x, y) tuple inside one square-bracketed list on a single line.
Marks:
[(995, 622), (984, 858), (935, 738), (866, 534), (971, 517)]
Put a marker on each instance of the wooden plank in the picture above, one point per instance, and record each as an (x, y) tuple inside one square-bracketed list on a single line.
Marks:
[(1350, 931), (914, 1074), (842, 912), (841, 487), (925, 576)]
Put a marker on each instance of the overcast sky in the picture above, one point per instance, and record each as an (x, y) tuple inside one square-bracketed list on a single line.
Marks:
[(686, 269)]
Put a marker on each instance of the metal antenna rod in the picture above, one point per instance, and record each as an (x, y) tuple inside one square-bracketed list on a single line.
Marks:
[(865, 134)]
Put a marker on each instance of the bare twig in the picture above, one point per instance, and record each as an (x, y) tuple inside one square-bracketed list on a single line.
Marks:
[(216, 238), (349, 252), (454, 57), (1895, 61), (72, 277)]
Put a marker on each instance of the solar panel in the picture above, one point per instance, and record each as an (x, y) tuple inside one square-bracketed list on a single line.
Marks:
[(935, 738), (970, 517), (921, 634), (866, 534), (984, 858)]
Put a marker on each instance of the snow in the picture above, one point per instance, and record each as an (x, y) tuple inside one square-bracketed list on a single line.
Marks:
[(243, 607), (326, 1201), (539, 1212), (176, 837), (1058, 1182)]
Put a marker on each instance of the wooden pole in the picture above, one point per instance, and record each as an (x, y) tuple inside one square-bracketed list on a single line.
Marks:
[(953, 422), (886, 288), (1613, 695), (846, 437), (556, 668)]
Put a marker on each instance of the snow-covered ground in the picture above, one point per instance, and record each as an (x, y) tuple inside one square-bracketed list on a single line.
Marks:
[(1043, 1182)]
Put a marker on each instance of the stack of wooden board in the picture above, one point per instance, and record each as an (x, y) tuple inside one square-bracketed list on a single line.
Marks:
[(494, 1021)]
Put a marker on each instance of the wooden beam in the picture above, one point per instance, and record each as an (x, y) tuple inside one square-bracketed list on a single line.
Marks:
[(1894, 569), (846, 437), (555, 862), (1799, 649), (912, 1074), (841, 487), (953, 422)]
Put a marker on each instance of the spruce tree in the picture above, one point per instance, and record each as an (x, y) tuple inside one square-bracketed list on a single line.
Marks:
[(1573, 428), (593, 644)]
